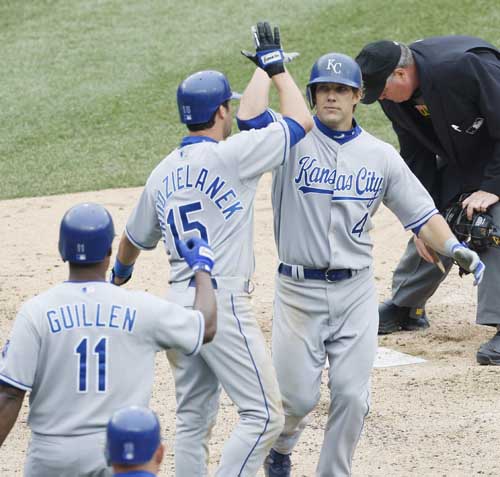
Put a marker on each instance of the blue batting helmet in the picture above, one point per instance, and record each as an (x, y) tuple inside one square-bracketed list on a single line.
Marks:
[(334, 68), (201, 94), (133, 435), (86, 234)]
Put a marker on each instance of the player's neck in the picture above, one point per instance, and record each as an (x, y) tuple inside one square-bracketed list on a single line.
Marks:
[(150, 467), (93, 273), (216, 132), (211, 133)]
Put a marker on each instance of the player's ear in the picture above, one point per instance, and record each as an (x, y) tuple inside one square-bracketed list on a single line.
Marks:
[(159, 454), (222, 111)]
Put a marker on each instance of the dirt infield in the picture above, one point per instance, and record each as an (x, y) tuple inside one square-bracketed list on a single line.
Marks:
[(440, 418)]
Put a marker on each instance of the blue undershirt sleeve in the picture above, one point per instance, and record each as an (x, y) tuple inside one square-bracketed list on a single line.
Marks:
[(297, 132), (259, 122)]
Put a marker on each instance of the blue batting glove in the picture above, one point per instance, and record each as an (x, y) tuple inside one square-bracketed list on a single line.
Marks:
[(469, 261), (197, 253), (267, 58), (478, 272), (268, 51)]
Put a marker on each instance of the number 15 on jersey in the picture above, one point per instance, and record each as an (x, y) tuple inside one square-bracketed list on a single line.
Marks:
[(183, 215)]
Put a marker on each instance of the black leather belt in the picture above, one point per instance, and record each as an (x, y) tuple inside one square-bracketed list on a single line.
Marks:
[(327, 274)]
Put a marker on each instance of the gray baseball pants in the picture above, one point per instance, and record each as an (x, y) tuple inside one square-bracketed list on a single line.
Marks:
[(67, 456), (238, 361), (315, 320)]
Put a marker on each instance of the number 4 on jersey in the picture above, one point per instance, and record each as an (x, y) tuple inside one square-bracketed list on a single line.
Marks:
[(358, 227)]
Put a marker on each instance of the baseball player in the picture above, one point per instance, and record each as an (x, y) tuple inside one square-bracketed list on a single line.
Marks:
[(206, 188), (86, 347), (442, 95), (133, 443), (325, 304)]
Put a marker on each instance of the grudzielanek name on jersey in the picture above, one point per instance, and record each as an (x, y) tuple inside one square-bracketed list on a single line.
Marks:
[(225, 199)]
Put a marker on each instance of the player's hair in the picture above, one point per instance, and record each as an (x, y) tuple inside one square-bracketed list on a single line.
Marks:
[(360, 91), (82, 266), (209, 123)]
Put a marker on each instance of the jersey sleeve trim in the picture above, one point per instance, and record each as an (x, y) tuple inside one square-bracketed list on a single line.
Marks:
[(420, 222), (14, 383), (273, 114), (201, 334), (136, 243)]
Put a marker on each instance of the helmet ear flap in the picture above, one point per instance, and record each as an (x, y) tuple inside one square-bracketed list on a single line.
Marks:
[(310, 94)]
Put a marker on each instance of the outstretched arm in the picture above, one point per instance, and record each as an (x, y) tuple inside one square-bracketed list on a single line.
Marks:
[(200, 258), (206, 303), (292, 103), (11, 399), (438, 235), (255, 99)]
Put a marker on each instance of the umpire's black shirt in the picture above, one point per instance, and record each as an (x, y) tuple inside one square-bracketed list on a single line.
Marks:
[(455, 115)]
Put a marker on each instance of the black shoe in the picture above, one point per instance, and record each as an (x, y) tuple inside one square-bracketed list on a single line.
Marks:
[(395, 318), (489, 352), (277, 465)]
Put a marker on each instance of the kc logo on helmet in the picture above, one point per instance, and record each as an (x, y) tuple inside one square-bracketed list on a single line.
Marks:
[(334, 65)]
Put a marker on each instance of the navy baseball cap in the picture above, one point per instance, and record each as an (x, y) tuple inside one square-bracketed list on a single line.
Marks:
[(377, 61)]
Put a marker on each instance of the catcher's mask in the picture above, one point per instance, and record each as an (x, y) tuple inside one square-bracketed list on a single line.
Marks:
[(475, 232)]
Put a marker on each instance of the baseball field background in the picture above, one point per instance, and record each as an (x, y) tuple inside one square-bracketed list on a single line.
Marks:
[(87, 109)]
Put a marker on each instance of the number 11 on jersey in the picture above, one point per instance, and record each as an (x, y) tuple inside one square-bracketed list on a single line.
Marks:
[(83, 364)]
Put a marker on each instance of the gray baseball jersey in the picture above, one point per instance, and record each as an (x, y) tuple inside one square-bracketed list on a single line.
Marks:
[(85, 349), (332, 190), (207, 188)]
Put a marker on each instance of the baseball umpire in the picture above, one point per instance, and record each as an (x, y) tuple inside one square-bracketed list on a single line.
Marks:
[(82, 347), (133, 443), (442, 95)]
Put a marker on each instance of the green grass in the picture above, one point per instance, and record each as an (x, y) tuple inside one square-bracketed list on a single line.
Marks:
[(87, 98)]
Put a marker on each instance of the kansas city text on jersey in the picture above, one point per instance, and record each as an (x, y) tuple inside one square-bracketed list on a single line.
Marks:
[(312, 176)]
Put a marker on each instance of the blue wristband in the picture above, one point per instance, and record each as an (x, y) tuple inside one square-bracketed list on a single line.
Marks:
[(122, 271)]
